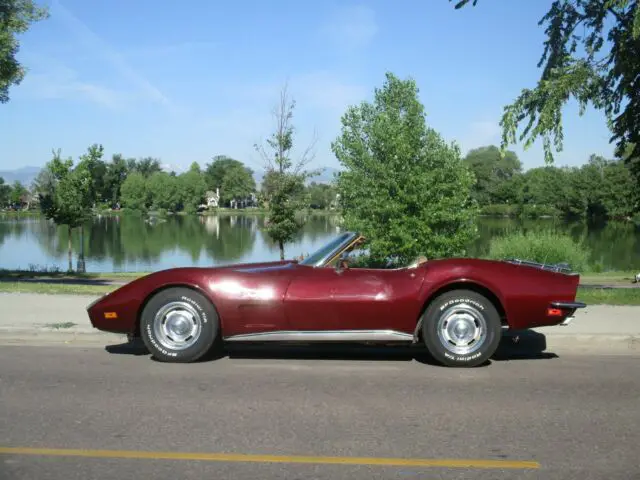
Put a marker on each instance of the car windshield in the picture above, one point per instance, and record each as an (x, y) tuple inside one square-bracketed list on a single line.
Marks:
[(320, 254)]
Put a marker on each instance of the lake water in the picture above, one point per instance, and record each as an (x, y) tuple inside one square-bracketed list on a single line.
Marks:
[(131, 243)]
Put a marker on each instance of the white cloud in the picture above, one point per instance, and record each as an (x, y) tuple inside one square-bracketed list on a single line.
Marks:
[(351, 27), (57, 81), (89, 39), (163, 51)]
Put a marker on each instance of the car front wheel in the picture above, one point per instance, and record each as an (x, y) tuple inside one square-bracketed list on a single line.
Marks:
[(179, 325), (461, 328)]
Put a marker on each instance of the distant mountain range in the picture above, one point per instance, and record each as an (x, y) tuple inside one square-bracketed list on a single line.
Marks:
[(26, 175)]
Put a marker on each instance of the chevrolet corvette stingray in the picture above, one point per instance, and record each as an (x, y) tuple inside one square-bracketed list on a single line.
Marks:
[(456, 307)]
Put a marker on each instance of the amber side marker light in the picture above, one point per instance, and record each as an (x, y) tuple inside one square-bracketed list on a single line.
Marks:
[(554, 312), (110, 315)]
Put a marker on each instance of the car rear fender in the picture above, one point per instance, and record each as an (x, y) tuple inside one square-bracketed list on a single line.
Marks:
[(432, 291)]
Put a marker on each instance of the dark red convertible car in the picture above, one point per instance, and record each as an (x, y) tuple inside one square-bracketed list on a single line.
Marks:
[(456, 307)]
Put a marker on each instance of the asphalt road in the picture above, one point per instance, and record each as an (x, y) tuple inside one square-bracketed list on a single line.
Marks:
[(567, 417)]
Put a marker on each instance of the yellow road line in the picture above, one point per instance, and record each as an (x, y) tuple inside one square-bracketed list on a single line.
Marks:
[(246, 458)]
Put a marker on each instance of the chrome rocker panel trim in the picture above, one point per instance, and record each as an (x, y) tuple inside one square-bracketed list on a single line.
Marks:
[(323, 336)]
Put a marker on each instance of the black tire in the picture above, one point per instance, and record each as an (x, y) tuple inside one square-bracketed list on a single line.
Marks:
[(189, 309), (477, 311)]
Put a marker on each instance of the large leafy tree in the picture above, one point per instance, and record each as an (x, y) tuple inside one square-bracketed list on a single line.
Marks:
[(591, 54), (403, 187), (115, 175), (92, 159), (496, 175), (164, 190), (5, 192), (65, 194), (231, 176), (135, 192), (16, 16), (286, 176), (193, 187)]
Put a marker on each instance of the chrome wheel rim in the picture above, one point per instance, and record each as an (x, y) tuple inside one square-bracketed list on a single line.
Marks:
[(462, 329), (177, 325)]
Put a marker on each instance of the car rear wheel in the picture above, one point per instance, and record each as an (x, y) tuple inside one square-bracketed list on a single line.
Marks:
[(179, 325), (461, 328)]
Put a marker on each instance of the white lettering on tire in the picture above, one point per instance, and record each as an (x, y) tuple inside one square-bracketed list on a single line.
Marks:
[(461, 300)]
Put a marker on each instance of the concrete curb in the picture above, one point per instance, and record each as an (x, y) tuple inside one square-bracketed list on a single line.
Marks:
[(22, 335)]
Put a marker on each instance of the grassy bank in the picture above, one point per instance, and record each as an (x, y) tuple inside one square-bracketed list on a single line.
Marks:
[(608, 296), (589, 295), (48, 275), (587, 278)]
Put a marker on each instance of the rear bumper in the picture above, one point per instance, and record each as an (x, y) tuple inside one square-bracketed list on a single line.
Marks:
[(564, 311), (568, 305)]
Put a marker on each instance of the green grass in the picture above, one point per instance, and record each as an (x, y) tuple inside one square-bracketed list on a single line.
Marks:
[(44, 275), (591, 296), (609, 278), (609, 296), (55, 288)]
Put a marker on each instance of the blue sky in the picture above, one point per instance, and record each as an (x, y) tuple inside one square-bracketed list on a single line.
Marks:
[(185, 83)]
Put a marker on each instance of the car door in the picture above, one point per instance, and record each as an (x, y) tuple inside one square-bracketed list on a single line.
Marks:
[(351, 299)]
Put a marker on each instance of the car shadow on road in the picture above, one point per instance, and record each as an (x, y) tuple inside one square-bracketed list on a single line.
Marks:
[(519, 345)]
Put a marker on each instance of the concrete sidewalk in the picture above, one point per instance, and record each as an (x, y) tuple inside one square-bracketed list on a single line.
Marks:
[(26, 317)]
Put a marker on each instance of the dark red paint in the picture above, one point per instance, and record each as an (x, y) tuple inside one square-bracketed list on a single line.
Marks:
[(286, 295)]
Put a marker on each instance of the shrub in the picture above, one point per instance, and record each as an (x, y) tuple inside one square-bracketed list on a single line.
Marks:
[(538, 211), (544, 247), (499, 210)]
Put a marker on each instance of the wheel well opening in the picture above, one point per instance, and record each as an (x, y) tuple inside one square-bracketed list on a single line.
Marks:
[(474, 287), (161, 289)]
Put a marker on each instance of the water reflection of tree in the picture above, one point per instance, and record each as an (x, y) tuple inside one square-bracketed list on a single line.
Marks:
[(12, 228), (613, 245), (231, 236), (316, 227), (227, 238)]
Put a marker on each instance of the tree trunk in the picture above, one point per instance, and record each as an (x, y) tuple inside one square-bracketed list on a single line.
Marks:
[(281, 244), (70, 246), (81, 265)]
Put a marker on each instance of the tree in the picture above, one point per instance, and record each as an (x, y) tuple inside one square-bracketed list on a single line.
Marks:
[(97, 169), (496, 175), (146, 166), (286, 177), (135, 192), (115, 175), (16, 16), (192, 187), (403, 187), (321, 195), (164, 190), (231, 176), (66, 198), (18, 193), (5, 192), (592, 54)]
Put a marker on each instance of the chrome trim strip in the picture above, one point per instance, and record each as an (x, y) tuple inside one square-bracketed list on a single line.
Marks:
[(322, 336)]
